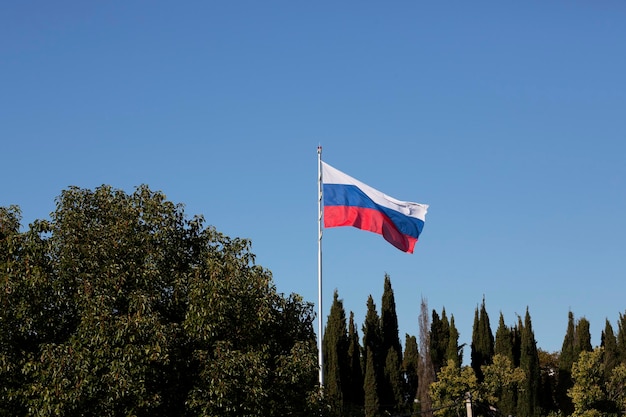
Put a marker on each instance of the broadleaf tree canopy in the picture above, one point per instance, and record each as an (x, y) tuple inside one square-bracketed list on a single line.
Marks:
[(121, 305)]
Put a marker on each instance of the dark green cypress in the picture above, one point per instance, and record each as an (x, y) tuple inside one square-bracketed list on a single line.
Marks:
[(504, 347), (354, 396), (621, 338), (528, 398), (371, 332), (390, 390), (410, 365), (439, 336), (389, 321), (566, 360), (394, 390), (504, 340), (583, 337), (425, 367), (335, 354), (372, 346), (609, 342), (370, 386), (482, 342), (454, 352)]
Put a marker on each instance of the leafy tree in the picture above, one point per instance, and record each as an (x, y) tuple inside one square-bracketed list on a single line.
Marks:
[(335, 354), (548, 365), (587, 392), (482, 341), (120, 305), (594, 392), (616, 388), (449, 391), (501, 377)]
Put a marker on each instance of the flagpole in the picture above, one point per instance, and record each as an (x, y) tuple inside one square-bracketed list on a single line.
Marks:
[(319, 266)]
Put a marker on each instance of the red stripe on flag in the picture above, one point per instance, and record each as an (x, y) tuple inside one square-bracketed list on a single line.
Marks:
[(371, 220)]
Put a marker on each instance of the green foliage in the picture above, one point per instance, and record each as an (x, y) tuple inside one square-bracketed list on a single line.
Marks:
[(528, 398), (548, 365), (504, 340), (482, 348), (354, 396), (583, 337), (609, 343), (372, 346), (453, 351), (566, 360), (439, 339), (391, 390), (621, 338), (593, 393), (370, 386), (500, 378), (410, 365), (425, 368), (448, 392), (587, 391), (121, 306), (389, 321), (335, 354), (394, 399)]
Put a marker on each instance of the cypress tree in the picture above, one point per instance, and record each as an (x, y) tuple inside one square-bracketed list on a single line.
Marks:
[(390, 390), (609, 343), (389, 320), (394, 390), (583, 337), (370, 387), (425, 367), (454, 352), (566, 360), (439, 336), (528, 398), (621, 338), (482, 342), (354, 396), (410, 365), (335, 351), (372, 346), (504, 347), (504, 340)]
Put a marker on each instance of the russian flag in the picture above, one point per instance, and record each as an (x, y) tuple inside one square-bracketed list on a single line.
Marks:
[(349, 202)]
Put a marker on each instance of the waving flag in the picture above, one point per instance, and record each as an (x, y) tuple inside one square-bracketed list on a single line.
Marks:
[(349, 202)]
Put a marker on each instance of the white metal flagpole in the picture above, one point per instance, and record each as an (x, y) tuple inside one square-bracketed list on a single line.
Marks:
[(319, 266)]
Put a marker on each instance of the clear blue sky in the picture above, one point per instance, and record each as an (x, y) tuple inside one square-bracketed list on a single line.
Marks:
[(507, 118)]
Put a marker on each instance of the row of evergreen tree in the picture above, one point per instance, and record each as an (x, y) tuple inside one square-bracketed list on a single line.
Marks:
[(376, 377)]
